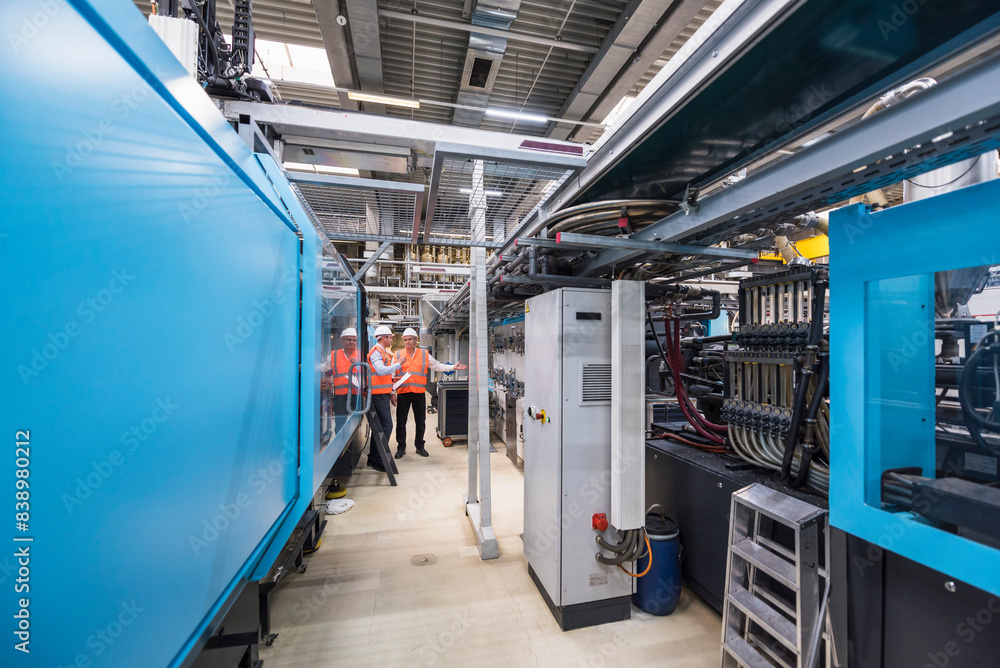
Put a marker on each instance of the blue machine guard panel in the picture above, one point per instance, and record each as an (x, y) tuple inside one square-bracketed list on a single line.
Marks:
[(149, 344), (883, 268)]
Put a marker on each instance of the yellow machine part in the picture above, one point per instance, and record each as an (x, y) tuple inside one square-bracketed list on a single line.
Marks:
[(812, 248)]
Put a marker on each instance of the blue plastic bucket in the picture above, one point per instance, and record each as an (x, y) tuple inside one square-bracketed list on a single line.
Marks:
[(659, 590)]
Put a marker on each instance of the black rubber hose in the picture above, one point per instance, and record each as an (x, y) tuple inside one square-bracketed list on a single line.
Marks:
[(819, 305), (210, 38), (966, 388), (808, 447), (804, 377), (659, 346), (822, 384), (791, 440)]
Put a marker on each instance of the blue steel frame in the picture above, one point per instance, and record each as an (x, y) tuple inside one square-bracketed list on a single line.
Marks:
[(120, 165), (882, 363)]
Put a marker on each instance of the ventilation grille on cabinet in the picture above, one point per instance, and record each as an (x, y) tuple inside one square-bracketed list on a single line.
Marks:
[(596, 383)]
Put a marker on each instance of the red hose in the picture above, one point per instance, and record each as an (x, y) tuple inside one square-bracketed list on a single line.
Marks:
[(701, 418), (679, 388), (703, 446)]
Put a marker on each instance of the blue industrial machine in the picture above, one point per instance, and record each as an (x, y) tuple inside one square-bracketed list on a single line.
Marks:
[(914, 504), (884, 385), (163, 443)]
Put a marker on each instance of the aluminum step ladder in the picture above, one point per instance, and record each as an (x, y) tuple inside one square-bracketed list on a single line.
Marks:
[(775, 604)]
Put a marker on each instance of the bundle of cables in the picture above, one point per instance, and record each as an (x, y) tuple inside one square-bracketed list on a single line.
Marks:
[(633, 546), (976, 419), (711, 432)]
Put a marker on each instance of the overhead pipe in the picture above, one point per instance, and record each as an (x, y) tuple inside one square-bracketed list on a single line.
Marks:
[(554, 279), (887, 100)]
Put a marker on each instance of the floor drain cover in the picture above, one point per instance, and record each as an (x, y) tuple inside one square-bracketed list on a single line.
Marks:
[(423, 560)]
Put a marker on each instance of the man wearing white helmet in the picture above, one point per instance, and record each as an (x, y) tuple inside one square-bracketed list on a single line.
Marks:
[(381, 362), (344, 382), (412, 392)]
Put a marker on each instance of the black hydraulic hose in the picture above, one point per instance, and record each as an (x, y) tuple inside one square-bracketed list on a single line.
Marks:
[(659, 346), (819, 305), (966, 388), (808, 447), (791, 440), (804, 376), (209, 38), (822, 384), (720, 338), (703, 315)]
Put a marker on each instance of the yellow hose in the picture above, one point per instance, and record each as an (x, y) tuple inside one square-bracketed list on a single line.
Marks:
[(649, 565)]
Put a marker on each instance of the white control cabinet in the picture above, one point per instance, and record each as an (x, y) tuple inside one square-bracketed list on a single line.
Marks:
[(567, 456)]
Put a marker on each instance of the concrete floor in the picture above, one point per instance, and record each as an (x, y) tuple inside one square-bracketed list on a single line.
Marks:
[(398, 582)]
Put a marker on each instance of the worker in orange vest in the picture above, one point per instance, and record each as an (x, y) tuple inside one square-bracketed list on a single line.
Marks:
[(412, 391), (383, 367), (345, 383)]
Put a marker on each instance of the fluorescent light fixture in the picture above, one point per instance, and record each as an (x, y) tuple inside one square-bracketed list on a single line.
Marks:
[(383, 99), (489, 193), (342, 171), (298, 166), (516, 115), (321, 169)]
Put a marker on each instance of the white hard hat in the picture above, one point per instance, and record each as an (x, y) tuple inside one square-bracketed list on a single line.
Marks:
[(350, 331), (409, 331), (383, 330)]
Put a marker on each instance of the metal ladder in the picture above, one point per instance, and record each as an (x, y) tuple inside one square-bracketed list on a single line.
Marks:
[(775, 604)]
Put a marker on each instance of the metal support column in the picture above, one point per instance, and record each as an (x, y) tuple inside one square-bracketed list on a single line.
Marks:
[(478, 507)]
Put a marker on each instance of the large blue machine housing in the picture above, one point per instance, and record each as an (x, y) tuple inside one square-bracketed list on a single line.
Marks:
[(159, 373)]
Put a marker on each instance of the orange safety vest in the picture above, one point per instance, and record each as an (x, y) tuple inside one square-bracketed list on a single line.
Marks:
[(341, 366), (416, 366), (381, 384)]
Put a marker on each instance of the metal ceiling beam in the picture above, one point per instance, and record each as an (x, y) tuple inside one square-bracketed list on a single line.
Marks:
[(957, 119), (362, 20), (601, 243), (451, 243), (639, 37), (254, 138), (353, 182), (387, 131), (719, 268), (335, 41), (468, 27)]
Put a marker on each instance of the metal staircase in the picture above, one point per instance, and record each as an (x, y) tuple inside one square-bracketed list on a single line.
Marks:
[(775, 605)]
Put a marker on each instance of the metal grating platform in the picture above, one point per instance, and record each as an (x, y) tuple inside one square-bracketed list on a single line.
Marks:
[(483, 195), (350, 209)]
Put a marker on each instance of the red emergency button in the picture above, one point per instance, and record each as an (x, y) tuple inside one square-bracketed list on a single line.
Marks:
[(600, 522)]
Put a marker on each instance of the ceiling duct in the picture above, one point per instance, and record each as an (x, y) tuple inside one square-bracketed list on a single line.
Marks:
[(482, 60)]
